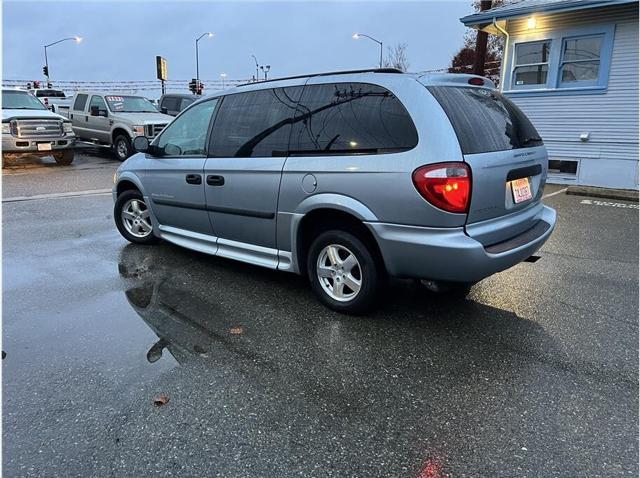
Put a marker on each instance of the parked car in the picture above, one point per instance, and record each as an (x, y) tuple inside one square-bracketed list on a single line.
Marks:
[(174, 103), (29, 129), (52, 99), (114, 120), (347, 178)]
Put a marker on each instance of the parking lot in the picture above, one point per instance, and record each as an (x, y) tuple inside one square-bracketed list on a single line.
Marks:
[(534, 374)]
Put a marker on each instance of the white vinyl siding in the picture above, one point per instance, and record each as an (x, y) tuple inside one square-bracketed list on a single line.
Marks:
[(610, 116)]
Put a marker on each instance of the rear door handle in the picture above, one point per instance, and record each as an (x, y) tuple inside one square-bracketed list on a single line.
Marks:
[(214, 180), (194, 179)]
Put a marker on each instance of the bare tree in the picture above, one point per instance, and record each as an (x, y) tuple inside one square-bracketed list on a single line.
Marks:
[(396, 57)]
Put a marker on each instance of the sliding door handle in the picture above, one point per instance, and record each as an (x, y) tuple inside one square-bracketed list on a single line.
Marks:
[(215, 180), (194, 179)]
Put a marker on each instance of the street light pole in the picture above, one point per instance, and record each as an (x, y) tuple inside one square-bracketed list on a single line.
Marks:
[(257, 67), (357, 36), (208, 34), (77, 39)]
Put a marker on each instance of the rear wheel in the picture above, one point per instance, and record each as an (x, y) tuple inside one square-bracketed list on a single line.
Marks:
[(64, 158), (132, 218), (122, 147), (343, 272)]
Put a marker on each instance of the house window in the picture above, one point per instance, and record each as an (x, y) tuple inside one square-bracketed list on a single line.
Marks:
[(566, 168), (531, 64), (580, 64)]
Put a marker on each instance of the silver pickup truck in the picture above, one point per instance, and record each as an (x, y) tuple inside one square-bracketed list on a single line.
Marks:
[(29, 129), (114, 120)]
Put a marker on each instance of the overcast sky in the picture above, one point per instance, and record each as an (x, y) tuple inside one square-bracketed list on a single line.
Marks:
[(121, 39)]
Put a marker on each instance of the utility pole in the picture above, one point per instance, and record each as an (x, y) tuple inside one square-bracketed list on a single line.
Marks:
[(481, 44)]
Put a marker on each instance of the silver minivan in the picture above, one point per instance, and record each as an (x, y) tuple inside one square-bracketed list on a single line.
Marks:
[(346, 177)]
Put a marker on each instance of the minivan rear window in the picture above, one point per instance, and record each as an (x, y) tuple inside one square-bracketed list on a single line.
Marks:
[(485, 120)]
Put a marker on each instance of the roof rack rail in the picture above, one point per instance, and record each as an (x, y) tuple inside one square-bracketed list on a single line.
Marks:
[(343, 72)]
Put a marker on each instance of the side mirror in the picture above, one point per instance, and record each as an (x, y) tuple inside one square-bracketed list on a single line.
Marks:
[(102, 113), (94, 111), (141, 144), (164, 110)]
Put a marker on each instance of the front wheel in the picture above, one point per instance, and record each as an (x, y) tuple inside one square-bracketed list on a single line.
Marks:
[(132, 217), (122, 147), (64, 158), (343, 272)]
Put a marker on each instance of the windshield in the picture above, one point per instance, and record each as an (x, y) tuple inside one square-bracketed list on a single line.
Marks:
[(20, 100), (485, 120), (130, 104)]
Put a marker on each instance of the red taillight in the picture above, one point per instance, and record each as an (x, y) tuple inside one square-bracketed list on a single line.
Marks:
[(445, 185), (475, 81)]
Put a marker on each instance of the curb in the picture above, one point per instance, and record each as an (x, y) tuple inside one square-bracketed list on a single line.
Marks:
[(605, 193)]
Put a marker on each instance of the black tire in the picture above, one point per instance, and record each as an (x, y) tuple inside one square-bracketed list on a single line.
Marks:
[(122, 148), (117, 217), (371, 275), (64, 158)]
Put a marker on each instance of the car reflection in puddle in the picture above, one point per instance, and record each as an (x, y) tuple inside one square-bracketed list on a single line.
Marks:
[(186, 325)]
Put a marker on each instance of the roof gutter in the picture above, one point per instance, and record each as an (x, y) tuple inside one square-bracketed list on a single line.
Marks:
[(504, 53)]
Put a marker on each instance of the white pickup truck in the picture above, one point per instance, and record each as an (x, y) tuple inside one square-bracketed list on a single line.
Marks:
[(29, 129), (55, 100)]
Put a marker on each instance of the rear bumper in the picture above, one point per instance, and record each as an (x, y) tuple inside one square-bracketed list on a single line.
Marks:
[(12, 144), (448, 254)]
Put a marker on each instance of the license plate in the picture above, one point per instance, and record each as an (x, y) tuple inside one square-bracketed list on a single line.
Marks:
[(521, 190), (44, 146)]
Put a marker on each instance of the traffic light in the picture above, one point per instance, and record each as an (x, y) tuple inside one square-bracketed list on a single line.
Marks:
[(199, 88), (49, 85), (45, 70), (193, 84), (36, 84)]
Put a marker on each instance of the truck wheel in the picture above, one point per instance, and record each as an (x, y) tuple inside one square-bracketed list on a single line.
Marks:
[(122, 147), (343, 272), (65, 158), (131, 214)]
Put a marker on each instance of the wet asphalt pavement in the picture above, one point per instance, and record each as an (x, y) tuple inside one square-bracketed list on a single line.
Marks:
[(534, 374)]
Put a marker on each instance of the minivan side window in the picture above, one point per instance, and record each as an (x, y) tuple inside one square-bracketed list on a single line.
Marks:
[(187, 134), (351, 118), (254, 124), (80, 102)]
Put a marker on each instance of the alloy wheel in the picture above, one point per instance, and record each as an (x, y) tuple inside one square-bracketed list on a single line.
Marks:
[(135, 217), (339, 272)]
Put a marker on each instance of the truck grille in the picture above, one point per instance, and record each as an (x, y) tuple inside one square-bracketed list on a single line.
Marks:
[(36, 128), (154, 130)]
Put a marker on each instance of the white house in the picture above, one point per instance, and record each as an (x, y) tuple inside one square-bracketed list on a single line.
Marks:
[(572, 67)]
